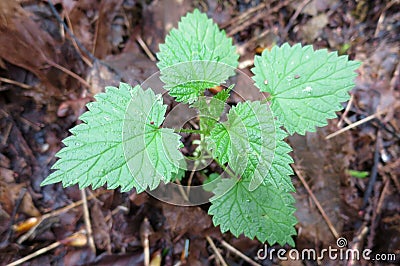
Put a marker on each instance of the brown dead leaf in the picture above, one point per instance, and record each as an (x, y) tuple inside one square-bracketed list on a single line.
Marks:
[(313, 28), (78, 239), (181, 220), (156, 258), (6, 202), (110, 27), (4, 220), (324, 164), (24, 43), (25, 225), (74, 107), (9, 193), (27, 205), (6, 175), (100, 229)]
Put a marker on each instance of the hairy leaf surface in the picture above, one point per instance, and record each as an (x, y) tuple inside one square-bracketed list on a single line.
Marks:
[(151, 152), (265, 213), (246, 141), (94, 153), (306, 86), (195, 56)]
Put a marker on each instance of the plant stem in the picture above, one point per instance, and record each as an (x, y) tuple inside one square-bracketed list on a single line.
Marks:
[(266, 100), (226, 169), (184, 130)]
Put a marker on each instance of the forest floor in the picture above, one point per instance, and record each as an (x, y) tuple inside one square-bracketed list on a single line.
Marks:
[(46, 79)]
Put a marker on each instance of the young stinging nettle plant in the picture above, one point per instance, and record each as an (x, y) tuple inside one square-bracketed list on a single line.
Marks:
[(123, 143)]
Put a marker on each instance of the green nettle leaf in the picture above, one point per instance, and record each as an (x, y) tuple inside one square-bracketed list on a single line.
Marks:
[(265, 213), (151, 152), (306, 86), (280, 171), (246, 141), (121, 141), (195, 56), (210, 109), (93, 154)]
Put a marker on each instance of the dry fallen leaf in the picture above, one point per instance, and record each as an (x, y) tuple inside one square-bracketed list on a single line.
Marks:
[(26, 225), (23, 40), (78, 239)]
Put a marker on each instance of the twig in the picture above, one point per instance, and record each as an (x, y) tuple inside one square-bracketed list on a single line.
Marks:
[(395, 180), (316, 201), (181, 190), (362, 121), (374, 172), (346, 111), (74, 204), (238, 253), (82, 47), (382, 17), (55, 213), (294, 17), (190, 180), (68, 72), (255, 18), (242, 16), (242, 48), (145, 231), (44, 250), (357, 240), (84, 58), (88, 224), (382, 196), (216, 251), (19, 84), (96, 32), (35, 254), (145, 48), (6, 134), (14, 212)]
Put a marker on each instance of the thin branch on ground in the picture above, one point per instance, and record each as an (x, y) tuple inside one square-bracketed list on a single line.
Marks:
[(243, 16), (145, 48), (13, 82), (14, 212), (75, 44), (247, 22), (56, 213), (382, 16), (35, 254), (346, 111), (360, 122), (293, 18), (68, 72), (7, 132), (374, 172), (358, 240), (190, 180), (46, 249), (238, 253), (181, 190), (316, 202), (216, 251), (88, 224), (70, 33)]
